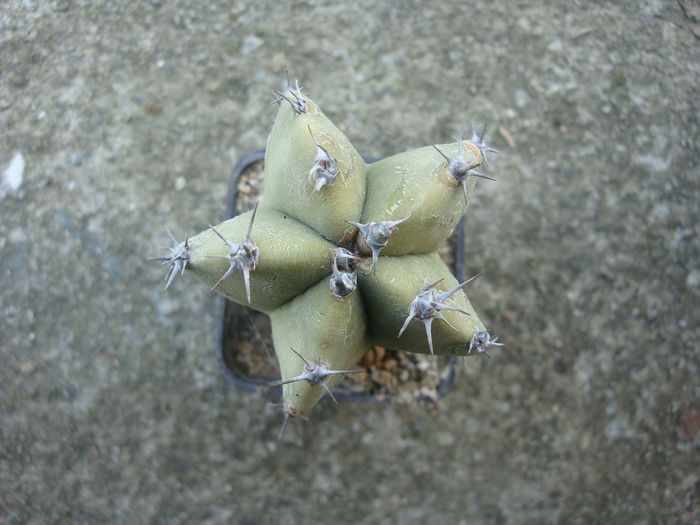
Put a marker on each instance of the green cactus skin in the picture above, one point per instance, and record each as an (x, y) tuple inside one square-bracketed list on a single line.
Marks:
[(321, 328), (292, 258), (301, 224), (417, 184), (291, 151), (388, 292)]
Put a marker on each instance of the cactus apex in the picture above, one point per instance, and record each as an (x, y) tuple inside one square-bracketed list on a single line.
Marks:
[(344, 275), (375, 236), (241, 256), (178, 258), (344, 259)]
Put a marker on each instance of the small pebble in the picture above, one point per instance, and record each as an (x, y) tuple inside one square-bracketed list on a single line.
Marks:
[(13, 174), (153, 108), (250, 44), (521, 98), (555, 46), (74, 159), (692, 280), (27, 367), (379, 353), (688, 424)]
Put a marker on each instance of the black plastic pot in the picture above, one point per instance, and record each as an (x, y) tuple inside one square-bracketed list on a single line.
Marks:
[(235, 318)]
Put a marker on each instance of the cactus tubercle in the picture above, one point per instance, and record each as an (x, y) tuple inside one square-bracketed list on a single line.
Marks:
[(324, 169), (460, 169), (428, 306), (314, 373), (242, 256)]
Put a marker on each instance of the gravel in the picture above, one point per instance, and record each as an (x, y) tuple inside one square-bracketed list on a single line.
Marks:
[(128, 117)]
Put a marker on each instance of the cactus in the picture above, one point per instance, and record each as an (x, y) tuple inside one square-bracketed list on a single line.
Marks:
[(342, 254)]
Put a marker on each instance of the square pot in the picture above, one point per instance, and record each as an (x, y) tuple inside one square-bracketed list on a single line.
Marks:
[(246, 353)]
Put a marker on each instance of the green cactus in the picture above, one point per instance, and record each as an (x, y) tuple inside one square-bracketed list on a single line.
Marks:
[(342, 254)]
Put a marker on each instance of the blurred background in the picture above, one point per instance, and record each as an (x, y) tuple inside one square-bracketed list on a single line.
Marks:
[(117, 118)]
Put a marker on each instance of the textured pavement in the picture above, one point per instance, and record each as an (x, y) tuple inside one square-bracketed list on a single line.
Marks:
[(118, 118)]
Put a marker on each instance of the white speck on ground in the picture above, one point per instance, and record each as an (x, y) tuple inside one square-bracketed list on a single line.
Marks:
[(693, 279), (12, 175), (250, 44), (654, 163)]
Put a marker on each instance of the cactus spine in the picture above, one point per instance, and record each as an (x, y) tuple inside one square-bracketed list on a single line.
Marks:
[(342, 254)]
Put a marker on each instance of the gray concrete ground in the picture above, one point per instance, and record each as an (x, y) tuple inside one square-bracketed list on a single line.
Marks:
[(129, 115)]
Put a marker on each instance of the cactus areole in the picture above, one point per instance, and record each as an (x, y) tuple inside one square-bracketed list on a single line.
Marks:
[(342, 254)]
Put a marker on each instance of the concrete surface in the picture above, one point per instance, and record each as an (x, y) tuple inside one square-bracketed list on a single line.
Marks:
[(128, 117)]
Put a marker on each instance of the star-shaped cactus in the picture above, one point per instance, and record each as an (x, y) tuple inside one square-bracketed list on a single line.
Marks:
[(341, 251)]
